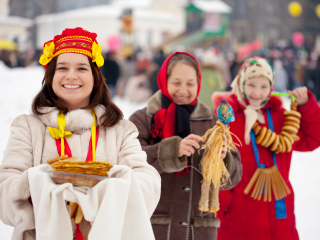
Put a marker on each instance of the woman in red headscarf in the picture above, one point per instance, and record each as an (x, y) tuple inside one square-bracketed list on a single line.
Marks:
[(170, 129)]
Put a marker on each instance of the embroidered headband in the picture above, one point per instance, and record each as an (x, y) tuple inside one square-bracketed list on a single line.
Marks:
[(74, 40)]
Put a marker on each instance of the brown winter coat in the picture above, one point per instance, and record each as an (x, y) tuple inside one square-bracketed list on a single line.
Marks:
[(177, 216)]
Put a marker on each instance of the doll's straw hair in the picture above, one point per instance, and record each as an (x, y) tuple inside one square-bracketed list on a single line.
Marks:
[(211, 164)]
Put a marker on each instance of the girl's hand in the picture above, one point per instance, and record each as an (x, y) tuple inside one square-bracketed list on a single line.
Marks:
[(187, 145), (301, 95)]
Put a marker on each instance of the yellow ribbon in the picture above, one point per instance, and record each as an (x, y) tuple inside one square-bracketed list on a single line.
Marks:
[(93, 136), (61, 134)]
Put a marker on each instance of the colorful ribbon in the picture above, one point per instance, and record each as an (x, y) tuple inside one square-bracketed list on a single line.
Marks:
[(280, 205), (93, 136), (61, 134)]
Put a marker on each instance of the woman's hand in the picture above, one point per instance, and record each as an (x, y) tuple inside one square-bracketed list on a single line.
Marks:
[(187, 145), (301, 95)]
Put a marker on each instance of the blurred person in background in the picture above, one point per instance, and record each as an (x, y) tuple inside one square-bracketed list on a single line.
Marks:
[(158, 60), (234, 68), (138, 87), (13, 57), (310, 72), (111, 71), (281, 76), (317, 80), (6, 58), (213, 78), (317, 69), (288, 64), (128, 68)]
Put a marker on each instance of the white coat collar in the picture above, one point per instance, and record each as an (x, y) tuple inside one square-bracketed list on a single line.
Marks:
[(76, 119)]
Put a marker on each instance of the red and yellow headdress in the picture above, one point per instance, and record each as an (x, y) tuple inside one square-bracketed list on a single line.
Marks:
[(74, 40)]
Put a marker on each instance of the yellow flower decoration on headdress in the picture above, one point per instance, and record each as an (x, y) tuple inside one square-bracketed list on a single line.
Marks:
[(47, 55), (96, 54)]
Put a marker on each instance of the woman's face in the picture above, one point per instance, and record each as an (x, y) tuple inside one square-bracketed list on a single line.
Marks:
[(73, 80), (182, 83), (257, 90)]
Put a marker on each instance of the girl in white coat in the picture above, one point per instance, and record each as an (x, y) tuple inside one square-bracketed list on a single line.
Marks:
[(74, 88)]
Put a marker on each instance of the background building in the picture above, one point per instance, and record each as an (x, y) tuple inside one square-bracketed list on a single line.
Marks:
[(13, 29), (153, 20)]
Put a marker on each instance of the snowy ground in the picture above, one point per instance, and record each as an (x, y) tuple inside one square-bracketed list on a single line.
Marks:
[(19, 86)]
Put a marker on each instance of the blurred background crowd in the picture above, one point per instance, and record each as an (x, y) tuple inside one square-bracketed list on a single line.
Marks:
[(136, 37)]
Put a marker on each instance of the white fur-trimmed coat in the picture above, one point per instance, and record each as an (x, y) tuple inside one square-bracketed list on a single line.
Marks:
[(31, 144)]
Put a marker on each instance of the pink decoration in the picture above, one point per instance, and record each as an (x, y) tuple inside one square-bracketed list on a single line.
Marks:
[(297, 39), (114, 43), (248, 48)]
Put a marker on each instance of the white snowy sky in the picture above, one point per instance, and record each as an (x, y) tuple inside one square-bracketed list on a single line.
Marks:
[(19, 86)]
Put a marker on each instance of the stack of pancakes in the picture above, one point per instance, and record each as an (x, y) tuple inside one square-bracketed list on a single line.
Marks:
[(72, 165)]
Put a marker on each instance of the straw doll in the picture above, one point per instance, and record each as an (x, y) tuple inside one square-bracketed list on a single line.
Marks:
[(218, 141)]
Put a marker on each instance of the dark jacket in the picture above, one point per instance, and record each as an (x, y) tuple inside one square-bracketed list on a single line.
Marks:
[(111, 71), (177, 216)]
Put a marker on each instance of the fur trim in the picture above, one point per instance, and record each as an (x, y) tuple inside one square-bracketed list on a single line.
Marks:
[(206, 222), (162, 219), (83, 118), (201, 111), (168, 155)]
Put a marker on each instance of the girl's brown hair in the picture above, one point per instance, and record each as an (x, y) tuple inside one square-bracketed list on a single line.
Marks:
[(100, 95), (182, 58)]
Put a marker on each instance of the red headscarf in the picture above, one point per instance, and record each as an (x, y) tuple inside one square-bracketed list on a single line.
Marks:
[(164, 119)]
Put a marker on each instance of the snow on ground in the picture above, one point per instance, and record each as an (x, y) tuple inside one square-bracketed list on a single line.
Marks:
[(19, 86)]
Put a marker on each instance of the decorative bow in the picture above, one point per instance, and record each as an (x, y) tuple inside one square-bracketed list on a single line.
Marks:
[(47, 55), (60, 133), (96, 54)]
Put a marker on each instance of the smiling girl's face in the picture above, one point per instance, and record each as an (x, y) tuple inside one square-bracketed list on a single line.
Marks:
[(257, 90), (73, 80), (182, 83)]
